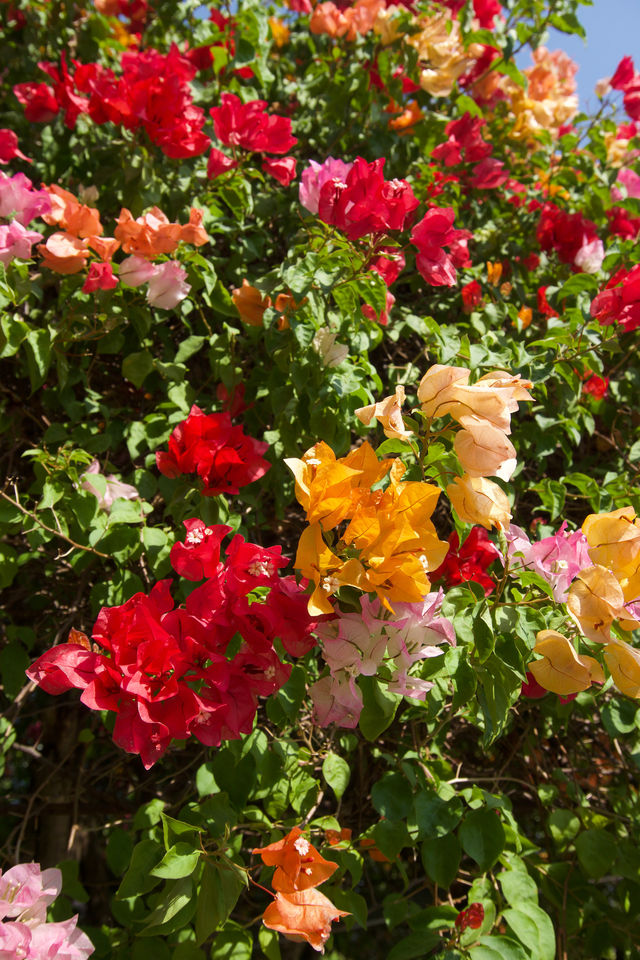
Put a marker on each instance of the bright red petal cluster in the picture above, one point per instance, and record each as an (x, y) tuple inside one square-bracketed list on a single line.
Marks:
[(152, 92), (222, 455), (364, 203), (169, 673), (469, 561), (472, 917), (620, 300), (433, 233), (564, 232)]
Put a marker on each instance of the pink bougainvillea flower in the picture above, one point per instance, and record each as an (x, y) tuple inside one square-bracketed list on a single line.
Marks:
[(18, 199), (316, 175), (100, 277), (115, 489), (16, 241), (557, 559), (134, 271), (222, 455), (167, 285)]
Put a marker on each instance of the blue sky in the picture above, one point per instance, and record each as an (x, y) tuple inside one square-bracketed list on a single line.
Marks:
[(613, 30)]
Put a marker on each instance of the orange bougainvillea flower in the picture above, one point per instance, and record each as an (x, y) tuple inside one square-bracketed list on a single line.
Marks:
[(306, 915), (70, 215), (561, 669), (152, 235), (335, 837), (105, 247), (329, 572), (388, 413), (64, 253), (279, 31), (494, 273), (250, 303), (478, 500), (525, 316), (407, 119), (298, 864), (369, 844)]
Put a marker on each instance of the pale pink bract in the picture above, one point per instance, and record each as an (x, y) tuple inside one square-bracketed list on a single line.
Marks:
[(316, 175)]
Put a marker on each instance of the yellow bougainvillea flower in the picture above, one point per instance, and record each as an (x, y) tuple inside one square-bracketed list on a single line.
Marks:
[(561, 669), (484, 450), (478, 500), (401, 578), (279, 31), (494, 273), (318, 563), (388, 413), (623, 662), (594, 601)]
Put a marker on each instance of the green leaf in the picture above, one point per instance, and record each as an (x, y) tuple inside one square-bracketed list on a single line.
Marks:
[(482, 837), (441, 859), (498, 948), (336, 772), (435, 816), (188, 348), (597, 851), (392, 796), (379, 707), (563, 826), (533, 927), (180, 860), (219, 890), (516, 883), (269, 943), (232, 943), (176, 907), (415, 945), (136, 367), (138, 879)]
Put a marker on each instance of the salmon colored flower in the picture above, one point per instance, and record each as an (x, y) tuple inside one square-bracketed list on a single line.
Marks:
[(250, 303), (306, 915), (561, 670), (152, 235), (70, 215), (63, 253), (494, 397), (484, 450), (478, 500), (388, 413), (298, 864), (614, 543)]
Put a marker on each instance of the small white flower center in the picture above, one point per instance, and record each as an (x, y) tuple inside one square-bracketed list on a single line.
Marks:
[(302, 846), (261, 568), (194, 537)]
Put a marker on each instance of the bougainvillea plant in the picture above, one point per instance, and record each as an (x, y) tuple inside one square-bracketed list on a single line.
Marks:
[(319, 512)]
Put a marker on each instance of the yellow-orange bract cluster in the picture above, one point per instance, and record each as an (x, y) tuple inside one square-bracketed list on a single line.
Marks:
[(597, 599), (550, 99), (442, 54), (388, 544), (299, 910)]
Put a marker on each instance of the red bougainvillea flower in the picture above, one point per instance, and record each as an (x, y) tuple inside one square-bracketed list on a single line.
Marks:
[(620, 300), (472, 917), (364, 202), (249, 126), (597, 386), (100, 277), (298, 864), (167, 672), (307, 915), (566, 233), (471, 296), (222, 455), (38, 100), (469, 561), (430, 236), (9, 147)]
